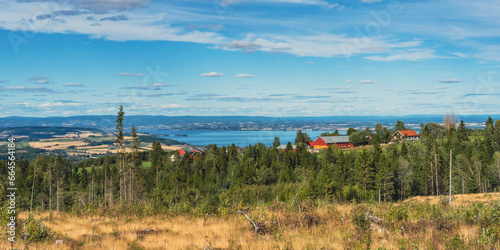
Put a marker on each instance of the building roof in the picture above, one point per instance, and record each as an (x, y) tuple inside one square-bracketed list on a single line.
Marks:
[(408, 132), (192, 150), (283, 146), (335, 139)]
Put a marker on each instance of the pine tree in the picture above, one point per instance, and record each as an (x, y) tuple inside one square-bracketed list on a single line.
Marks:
[(276, 142), (405, 174), (136, 161), (301, 137), (120, 141), (155, 156), (350, 131), (365, 171), (462, 132), (404, 149), (385, 178), (496, 136), (399, 126), (488, 141)]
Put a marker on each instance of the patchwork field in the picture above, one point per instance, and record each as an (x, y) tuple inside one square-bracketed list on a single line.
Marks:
[(88, 145)]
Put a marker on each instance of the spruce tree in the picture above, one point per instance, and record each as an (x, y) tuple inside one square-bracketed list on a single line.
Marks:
[(276, 142), (462, 132), (385, 178), (496, 136), (136, 162), (120, 141), (399, 126)]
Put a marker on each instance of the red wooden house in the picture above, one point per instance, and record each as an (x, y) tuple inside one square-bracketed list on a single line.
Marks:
[(341, 141), (409, 135), (192, 151)]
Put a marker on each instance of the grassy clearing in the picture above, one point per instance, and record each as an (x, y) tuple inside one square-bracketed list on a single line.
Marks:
[(305, 225), (21, 145), (459, 199)]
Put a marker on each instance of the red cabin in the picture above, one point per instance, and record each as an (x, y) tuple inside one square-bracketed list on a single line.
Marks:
[(341, 141)]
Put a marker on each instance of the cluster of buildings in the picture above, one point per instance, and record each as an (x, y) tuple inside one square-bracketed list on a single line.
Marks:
[(408, 135), (342, 141), (322, 142)]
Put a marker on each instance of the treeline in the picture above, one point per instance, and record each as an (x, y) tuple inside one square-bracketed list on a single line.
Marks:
[(225, 177)]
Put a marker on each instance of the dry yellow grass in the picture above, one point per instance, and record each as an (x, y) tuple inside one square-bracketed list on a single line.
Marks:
[(459, 199), (51, 145), (178, 232), (172, 147), (305, 226)]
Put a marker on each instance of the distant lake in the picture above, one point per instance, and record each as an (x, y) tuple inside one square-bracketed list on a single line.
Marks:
[(225, 137)]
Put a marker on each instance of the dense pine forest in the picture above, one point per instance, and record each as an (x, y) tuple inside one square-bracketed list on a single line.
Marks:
[(228, 177)]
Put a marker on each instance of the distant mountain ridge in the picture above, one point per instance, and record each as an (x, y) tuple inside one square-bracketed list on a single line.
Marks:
[(108, 122)]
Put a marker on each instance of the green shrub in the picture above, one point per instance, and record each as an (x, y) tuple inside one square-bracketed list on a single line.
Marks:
[(457, 243), (36, 230), (399, 213), (350, 193), (359, 218), (487, 237)]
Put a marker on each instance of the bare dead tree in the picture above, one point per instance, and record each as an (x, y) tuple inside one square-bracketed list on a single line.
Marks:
[(57, 195), (33, 188), (120, 141), (50, 185), (135, 158), (474, 168), (449, 121), (259, 228)]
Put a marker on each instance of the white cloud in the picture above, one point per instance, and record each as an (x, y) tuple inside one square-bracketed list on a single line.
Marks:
[(244, 76), (171, 106), (348, 81), (39, 80), (161, 85), (150, 25), (142, 25), (371, 1), (460, 54), (451, 80), (60, 104), (323, 45), (310, 62), (367, 81), (489, 53), (420, 92), (324, 4), (101, 5), (130, 74), (43, 81), (212, 74), (23, 89), (242, 45), (72, 84), (403, 55)]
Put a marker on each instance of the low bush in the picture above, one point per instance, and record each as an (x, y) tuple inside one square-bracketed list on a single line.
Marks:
[(36, 230)]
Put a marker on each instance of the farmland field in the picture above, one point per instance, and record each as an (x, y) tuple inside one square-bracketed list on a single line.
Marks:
[(83, 146)]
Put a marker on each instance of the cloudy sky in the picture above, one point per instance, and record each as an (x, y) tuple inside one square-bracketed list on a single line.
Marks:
[(249, 57)]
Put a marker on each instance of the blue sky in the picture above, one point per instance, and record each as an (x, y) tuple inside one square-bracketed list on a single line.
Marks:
[(249, 57)]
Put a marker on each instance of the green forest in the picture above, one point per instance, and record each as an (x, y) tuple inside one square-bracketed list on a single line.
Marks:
[(227, 177)]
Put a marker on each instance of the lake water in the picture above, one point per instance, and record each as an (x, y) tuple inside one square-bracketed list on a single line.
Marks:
[(225, 138)]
